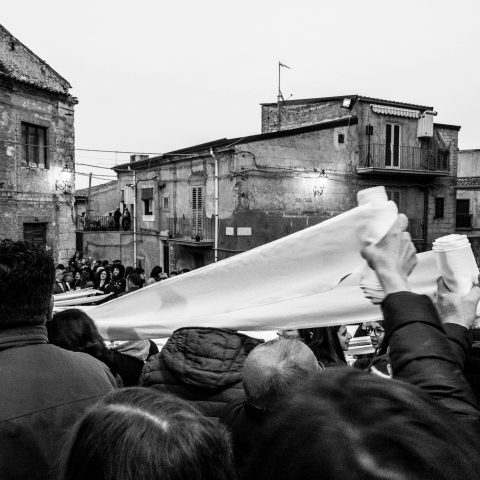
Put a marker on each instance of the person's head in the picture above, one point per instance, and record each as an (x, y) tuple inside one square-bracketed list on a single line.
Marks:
[(134, 281), (69, 278), (273, 370), (59, 273), (140, 434), (103, 275), (376, 333), (128, 270), (346, 423), (27, 277), (325, 344), (173, 273), (118, 270), (141, 272), (343, 337), (74, 330), (77, 276), (155, 273)]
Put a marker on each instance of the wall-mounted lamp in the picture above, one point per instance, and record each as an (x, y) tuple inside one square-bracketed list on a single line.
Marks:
[(320, 184), (64, 186)]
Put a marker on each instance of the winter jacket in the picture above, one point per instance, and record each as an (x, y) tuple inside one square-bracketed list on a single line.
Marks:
[(422, 354), (44, 389), (202, 365)]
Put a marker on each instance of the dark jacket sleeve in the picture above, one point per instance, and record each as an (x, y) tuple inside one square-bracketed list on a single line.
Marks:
[(460, 339), (421, 353)]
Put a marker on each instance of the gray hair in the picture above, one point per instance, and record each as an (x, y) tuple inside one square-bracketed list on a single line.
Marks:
[(274, 368)]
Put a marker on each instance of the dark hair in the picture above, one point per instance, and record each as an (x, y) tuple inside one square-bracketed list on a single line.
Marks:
[(349, 424), (139, 270), (135, 279), (121, 269), (140, 434), (325, 345), (129, 270), (74, 330), (156, 271), (27, 277), (97, 276), (273, 370)]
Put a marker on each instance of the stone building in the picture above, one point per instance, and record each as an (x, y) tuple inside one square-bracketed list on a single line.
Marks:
[(468, 197), (207, 202), (36, 150)]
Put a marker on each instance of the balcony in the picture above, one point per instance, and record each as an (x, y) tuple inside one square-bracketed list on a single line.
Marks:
[(97, 223), (380, 158), (464, 221), (191, 230)]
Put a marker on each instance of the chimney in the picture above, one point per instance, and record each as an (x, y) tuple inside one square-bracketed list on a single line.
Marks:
[(138, 158)]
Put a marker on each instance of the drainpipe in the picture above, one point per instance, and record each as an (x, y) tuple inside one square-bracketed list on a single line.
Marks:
[(425, 216), (135, 219), (215, 245)]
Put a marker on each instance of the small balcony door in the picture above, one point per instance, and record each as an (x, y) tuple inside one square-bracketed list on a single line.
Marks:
[(392, 145), (197, 212)]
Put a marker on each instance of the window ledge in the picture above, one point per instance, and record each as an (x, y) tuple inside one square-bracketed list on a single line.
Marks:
[(148, 218)]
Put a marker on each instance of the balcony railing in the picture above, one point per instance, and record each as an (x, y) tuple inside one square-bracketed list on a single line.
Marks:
[(198, 229), (380, 156), (97, 223), (464, 220)]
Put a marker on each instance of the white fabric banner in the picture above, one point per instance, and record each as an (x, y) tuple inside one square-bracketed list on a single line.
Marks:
[(292, 282)]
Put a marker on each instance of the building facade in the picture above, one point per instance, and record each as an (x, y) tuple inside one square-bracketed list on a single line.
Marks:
[(37, 160), (468, 198), (211, 201)]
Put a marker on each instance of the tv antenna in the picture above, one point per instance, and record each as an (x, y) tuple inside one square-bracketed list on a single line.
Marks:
[(280, 95)]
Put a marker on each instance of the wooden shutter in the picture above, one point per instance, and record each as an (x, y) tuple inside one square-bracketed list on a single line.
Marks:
[(197, 211)]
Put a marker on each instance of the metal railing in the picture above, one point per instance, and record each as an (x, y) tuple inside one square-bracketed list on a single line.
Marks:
[(403, 157), (464, 220), (97, 223), (200, 228)]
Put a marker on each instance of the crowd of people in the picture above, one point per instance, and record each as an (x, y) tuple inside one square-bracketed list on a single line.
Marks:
[(108, 277), (218, 404)]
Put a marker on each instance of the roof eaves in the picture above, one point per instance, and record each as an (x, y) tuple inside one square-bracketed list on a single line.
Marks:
[(447, 126)]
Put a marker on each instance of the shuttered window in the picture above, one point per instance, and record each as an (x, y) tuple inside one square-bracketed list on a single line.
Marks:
[(197, 211), (147, 193), (394, 195), (439, 207), (34, 145), (35, 233)]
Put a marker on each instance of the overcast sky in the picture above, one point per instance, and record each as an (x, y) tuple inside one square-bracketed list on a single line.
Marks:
[(153, 76)]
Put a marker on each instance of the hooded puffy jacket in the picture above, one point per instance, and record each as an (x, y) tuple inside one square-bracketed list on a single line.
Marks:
[(201, 365)]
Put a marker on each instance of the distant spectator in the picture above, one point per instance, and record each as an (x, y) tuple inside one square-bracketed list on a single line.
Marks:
[(134, 283), (138, 434), (103, 279), (44, 389), (60, 285), (126, 219), (141, 272), (117, 283), (155, 275), (117, 215)]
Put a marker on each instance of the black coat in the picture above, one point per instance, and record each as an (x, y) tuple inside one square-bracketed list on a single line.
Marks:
[(203, 365)]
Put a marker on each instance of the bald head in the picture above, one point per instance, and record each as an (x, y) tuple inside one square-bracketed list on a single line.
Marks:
[(274, 368)]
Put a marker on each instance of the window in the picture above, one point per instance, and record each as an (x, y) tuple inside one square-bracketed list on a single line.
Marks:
[(392, 145), (35, 233), (341, 138), (147, 200), (166, 202), (34, 145), (197, 211), (464, 217), (394, 195), (439, 207)]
